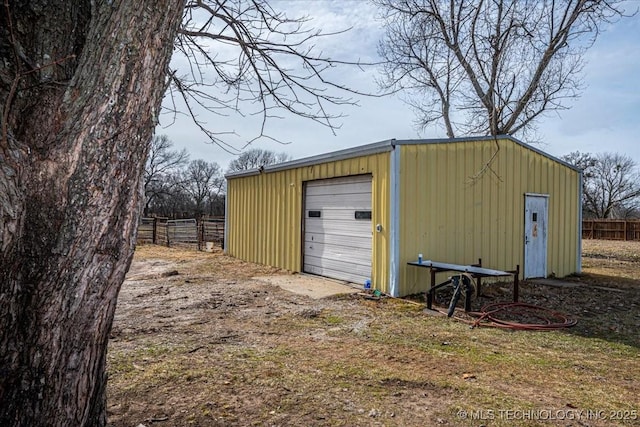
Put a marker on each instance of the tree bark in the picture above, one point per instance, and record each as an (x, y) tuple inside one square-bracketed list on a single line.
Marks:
[(81, 86)]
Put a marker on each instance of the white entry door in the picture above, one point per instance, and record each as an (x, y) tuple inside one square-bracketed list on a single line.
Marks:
[(337, 228), (535, 235)]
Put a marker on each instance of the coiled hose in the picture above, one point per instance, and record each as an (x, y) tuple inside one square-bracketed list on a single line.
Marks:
[(496, 315)]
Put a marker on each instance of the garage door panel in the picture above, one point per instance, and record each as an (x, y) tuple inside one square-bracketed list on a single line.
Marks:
[(347, 267), (336, 253), (339, 189), (333, 214), (350, 201), (340, 227), (337, 274), (355, 241), (336, 243)]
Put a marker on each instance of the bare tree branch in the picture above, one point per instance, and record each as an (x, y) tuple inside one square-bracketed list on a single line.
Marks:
[(255, 56), (507, 61)]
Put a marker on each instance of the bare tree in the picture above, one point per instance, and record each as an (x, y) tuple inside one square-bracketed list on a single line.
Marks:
[(161, 164), (488, 67), (81, 85), (612, 186), (202, 181), (256, 157)]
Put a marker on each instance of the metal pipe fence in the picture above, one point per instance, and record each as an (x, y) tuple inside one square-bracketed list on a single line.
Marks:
[(167, 232)]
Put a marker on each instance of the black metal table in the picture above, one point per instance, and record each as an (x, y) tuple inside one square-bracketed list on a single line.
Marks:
[(474, 270)]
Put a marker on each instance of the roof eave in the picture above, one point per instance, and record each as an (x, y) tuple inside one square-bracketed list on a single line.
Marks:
[(348, 153)]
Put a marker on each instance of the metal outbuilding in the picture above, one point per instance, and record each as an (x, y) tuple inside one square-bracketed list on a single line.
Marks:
[(363, 213)]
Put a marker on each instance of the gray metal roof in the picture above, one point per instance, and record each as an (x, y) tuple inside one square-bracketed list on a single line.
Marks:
[(381, 147)]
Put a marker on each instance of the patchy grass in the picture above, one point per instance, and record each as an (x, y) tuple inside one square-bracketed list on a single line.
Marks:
[(210, 347)]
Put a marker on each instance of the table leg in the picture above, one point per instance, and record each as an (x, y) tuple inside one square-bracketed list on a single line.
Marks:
[(431, 289), (516, 284), (479, 279)]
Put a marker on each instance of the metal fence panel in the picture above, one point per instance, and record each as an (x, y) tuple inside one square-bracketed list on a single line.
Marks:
[(212, 230), (182, 231), (146, 230), (164, 231)]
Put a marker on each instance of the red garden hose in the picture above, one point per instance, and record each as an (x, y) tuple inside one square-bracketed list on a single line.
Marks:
[(495, 315)]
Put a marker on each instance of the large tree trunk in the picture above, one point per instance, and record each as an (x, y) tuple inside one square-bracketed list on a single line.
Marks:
[(81, 85)]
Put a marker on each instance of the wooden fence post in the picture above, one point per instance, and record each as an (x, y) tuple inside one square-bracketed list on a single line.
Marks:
[(166, 234), (154, 233)]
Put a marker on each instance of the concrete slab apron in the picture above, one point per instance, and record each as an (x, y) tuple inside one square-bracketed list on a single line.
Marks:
[(315, 287)]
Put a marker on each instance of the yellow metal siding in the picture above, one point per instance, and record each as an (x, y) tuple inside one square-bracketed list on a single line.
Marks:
[(265, 213), (456, 205)]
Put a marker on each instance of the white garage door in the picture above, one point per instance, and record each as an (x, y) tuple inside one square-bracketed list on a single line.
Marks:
[(337, 228)]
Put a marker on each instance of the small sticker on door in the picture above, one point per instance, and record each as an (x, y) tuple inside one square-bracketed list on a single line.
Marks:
[(534, 232)]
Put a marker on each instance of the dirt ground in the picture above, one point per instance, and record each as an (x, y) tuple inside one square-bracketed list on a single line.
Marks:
[(197, 342)]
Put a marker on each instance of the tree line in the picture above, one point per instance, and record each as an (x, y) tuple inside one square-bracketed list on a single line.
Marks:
[(177, 187), (610, 185)]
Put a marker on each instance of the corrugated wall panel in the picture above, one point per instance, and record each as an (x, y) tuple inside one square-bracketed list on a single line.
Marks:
[(265, 213), (456, 205)]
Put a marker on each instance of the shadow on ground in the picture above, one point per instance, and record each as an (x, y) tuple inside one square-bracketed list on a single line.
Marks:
[(605, 307)]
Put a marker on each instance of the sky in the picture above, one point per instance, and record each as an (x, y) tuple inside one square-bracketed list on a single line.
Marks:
[(606, 118)]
